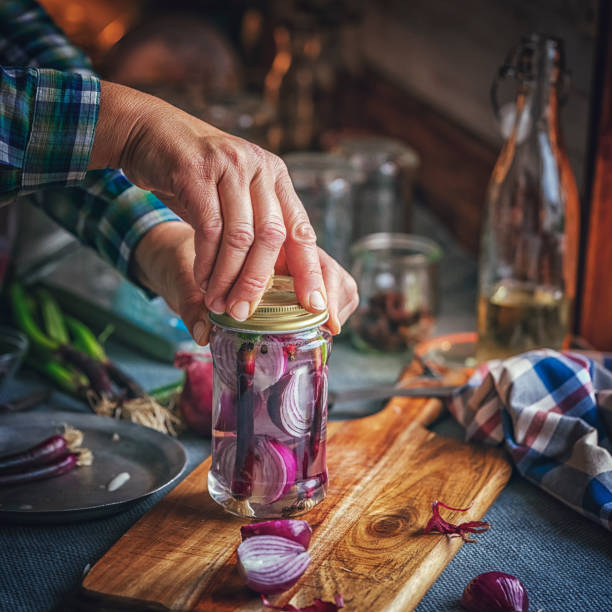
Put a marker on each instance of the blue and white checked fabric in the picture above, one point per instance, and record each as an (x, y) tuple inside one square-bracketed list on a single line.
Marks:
[(553, 413)]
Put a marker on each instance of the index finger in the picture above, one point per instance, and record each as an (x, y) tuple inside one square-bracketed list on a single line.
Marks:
[(300, 247)]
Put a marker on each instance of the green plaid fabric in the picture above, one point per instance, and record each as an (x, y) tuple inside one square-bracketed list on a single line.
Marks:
[(49, 100)]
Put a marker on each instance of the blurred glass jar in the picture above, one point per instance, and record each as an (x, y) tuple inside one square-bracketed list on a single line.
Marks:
[(245, 115), (397, 276), (326, 185), (383, 200)]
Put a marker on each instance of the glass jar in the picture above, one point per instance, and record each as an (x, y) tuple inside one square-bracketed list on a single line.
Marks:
[(270, 408), (245, 115), (325, 184), (397, 277), (388, 170)]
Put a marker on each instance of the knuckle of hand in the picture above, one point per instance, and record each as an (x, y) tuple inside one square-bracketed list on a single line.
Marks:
[(350, 286), (272, 234), (304, 233), (256, 153), (278, 165), (211, 228), (254, 284), (240, 237)]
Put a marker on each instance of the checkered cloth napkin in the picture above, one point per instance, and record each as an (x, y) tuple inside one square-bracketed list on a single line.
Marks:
[(553, 413)]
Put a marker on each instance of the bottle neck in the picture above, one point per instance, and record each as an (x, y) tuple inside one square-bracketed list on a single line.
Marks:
[(538, 98)]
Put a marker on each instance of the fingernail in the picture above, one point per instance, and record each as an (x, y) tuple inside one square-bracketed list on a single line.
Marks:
[(316, 300), (204, 286), (240, 311), (198, 331), (218, 306)]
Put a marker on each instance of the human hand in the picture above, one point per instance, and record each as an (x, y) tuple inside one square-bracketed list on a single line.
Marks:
[(163, 262), (238, 198)]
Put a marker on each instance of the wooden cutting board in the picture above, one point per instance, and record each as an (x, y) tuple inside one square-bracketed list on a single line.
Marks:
[(385, 471)]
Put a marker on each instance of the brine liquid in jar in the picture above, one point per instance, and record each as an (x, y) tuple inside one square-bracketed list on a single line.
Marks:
[(269, 420)]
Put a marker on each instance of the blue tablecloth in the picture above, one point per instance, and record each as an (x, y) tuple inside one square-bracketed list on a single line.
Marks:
[(564, 560)]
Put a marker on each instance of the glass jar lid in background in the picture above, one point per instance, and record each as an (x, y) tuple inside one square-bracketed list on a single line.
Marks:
[(385, 156), (278, 312), (246, 115), (388, 169), (325, 183)]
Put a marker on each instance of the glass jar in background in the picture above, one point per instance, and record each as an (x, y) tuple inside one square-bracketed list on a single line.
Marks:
[(246, 115), (388, 168), (326, 185), (529, 249), (397, 276), (270, 408)]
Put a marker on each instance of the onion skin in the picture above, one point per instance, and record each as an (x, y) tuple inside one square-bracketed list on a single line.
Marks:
[(270, 363), (495, 592), (266, 452), (271, 564), (224, 351), (273, 471), (57, 468), (295, 530), (318, 605), (196, 398), (290, 409), (226, 417), (46, 451)]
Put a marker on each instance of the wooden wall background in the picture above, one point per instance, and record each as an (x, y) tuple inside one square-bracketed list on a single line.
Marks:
[(424, 72)]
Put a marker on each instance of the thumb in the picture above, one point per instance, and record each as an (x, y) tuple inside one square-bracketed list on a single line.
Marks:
[(195, 316)]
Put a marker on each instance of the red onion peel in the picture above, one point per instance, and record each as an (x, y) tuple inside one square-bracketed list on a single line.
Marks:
[(273, 470), (291, 405), (495, 592), (316, 606), (437, 524), (294, 530), (270, 363)]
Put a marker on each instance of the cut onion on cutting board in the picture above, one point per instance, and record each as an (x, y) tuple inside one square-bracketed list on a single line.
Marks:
[(385, 471)]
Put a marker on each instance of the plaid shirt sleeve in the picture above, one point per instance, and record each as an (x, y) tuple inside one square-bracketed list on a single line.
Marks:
[(47, 124), (48, 113)]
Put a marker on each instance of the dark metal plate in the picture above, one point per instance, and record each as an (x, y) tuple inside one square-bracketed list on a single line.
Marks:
[(152, 459)]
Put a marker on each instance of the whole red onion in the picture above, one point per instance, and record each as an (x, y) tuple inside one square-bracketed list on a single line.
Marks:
[(197, 396), (495, 592)]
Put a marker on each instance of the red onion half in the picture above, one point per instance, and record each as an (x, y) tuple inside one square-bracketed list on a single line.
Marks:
[(271, 564), (224, 352), (294, 530), (274, 467), (495, 592), (291, 402), (270, 362)]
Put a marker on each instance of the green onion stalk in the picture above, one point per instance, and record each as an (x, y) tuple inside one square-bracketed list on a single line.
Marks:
[(68, 353)]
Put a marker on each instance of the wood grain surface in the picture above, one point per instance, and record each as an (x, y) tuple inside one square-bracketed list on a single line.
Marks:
[(385, 472), (595, 323)]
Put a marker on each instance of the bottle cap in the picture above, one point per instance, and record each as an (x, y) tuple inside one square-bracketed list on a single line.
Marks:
[(279, 312)]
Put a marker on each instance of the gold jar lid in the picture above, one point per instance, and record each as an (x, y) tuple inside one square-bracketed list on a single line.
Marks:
[(278, 312)]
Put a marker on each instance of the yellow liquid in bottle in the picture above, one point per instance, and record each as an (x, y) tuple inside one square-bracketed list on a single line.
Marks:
[(519, 317)]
